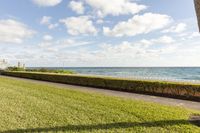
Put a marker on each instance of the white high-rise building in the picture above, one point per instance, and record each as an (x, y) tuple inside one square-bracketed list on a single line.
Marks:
[(3, 64)]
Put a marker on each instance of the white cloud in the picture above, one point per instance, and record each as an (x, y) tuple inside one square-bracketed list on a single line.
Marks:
[(122, 50), (68, 52), (164, 40), (12, 31), (194, 35), (79, 25), (131, 54), (52, 26), (135, 51), (77, 7), (138, 24), (47, 38), (176, 29), (46, 3), (115, 7), (71, 43), (59, 45), (46, 20), (161, 40)]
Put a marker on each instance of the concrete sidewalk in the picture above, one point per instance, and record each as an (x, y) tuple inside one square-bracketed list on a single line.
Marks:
[(155, 99)]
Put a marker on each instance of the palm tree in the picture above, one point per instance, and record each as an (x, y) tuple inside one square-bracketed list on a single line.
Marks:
[(197, 7)]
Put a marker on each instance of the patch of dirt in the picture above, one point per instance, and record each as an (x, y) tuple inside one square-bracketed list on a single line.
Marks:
[(195, 119)]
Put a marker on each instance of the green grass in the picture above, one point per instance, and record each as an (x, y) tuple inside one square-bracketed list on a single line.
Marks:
[(31, 107)]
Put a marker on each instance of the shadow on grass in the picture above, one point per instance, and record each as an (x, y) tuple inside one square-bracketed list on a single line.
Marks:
[(101, 126)]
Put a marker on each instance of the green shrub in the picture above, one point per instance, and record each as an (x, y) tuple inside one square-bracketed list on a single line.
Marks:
[(170, 89), (15, 69), (43, 70)]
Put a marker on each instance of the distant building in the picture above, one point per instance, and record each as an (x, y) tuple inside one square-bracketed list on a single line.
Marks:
[(19, 65), (3, 64), (24, 66)]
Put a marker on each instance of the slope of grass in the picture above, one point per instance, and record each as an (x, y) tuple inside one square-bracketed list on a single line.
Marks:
[(30, 107), (165, 89)]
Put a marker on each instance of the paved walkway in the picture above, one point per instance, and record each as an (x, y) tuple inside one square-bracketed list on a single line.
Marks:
[(155, 99)]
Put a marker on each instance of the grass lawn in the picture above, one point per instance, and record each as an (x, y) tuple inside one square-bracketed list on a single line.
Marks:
[(30, 107)]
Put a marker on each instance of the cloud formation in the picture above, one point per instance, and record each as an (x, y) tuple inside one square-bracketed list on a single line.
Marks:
[(47, 3), (77, 7), (138, 24), (59, 45), (46, 20), (79, 25), (47, 38), (178, 28), (12, 31), (160, 41), (115, 7)]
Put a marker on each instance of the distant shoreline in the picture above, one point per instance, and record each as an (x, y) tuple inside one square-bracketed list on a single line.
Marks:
[(123, 67)]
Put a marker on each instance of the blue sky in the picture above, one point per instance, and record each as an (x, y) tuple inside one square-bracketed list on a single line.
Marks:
[(99, 33)]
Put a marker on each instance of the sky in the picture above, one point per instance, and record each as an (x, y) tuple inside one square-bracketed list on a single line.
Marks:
[(99, 33)]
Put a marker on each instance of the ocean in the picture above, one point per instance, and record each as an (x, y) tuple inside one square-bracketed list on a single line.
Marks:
[(180, 74)]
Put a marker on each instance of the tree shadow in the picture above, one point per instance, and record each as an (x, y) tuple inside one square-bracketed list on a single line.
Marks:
[(100, 126)]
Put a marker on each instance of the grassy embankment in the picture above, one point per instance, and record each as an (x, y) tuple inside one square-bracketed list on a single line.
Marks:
[(30, 107), (168, 89)]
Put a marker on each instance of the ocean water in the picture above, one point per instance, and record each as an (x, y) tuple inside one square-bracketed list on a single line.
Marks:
[(185, 74)]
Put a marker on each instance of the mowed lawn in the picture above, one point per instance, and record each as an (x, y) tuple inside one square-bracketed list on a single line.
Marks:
[(31, 107)]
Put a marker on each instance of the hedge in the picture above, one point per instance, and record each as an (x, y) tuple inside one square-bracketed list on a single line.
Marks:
[(167, 89)]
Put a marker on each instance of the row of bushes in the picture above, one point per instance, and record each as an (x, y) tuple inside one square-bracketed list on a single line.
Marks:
[(169, 89), (45, 70), (15, 69)]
